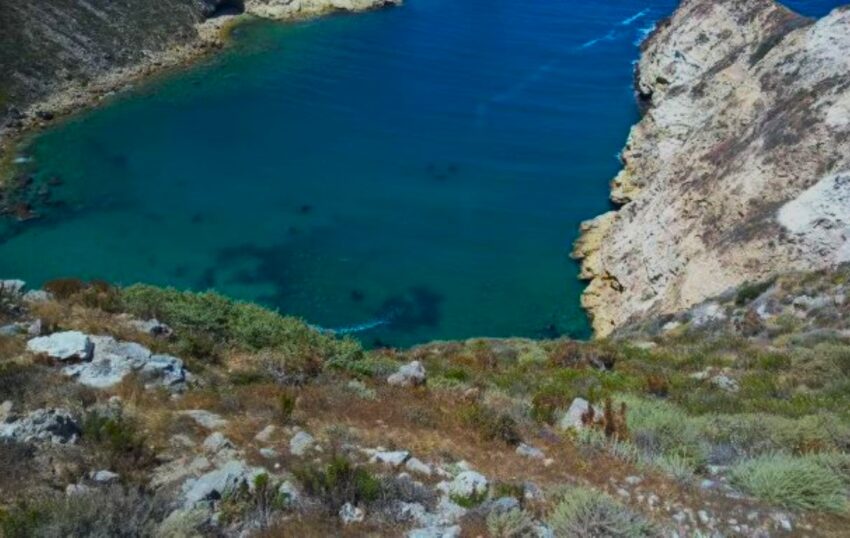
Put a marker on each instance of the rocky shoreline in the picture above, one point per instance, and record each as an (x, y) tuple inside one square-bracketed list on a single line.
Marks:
[(209, 35), (739, 168)]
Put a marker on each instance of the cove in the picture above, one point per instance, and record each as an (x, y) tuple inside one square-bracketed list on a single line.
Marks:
[(402, 176)]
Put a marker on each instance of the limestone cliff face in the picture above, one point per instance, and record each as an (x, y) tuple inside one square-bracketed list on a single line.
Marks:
[(740, 166)]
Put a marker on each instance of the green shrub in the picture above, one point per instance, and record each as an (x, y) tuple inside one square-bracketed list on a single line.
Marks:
[(339, 482), (286, 406), (117, 439), (751, 291), (797, 482), (102, 512), (510, 524), (660, 428), (587, 513), (206, 320), (491, 424)]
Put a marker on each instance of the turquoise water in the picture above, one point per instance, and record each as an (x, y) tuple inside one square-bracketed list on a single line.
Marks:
[(407, 175)]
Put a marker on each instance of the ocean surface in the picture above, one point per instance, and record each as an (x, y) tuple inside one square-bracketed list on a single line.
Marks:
[(404, 175)]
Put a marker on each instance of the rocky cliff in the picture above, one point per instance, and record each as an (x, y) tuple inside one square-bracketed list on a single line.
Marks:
[(60, 55), (739, 168)]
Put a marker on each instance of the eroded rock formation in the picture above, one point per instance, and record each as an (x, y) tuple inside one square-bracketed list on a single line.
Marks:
[(740, 167)]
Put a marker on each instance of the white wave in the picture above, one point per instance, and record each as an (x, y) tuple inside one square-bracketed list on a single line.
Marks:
[(634, 18), (643, 33), (607, 37), (22, 160), (352, 329)]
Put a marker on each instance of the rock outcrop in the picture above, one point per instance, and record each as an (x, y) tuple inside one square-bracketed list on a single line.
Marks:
[(740, 167)]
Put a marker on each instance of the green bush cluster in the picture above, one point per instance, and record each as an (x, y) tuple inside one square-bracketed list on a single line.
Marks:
[(207, 320), (510, 524), (339, 482), (798, 482), (491, 424), (588, 513)]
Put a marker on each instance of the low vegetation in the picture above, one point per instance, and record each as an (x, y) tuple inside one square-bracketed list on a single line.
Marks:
[(680, 413)]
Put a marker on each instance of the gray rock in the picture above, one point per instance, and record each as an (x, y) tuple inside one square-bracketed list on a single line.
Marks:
[(300, 443), (726, 383), (351, 514), (218, 483), (12, 329), (179, 470), (393, 459), (35, 328), (571, 419), (36, 297), (202, 417), (409, 375), (152, 327), (63, 346), (216, 442), (6, 410), (112, 361), (48, 425), (76, 489), (499, 506), (435, 532), (12, 287), (266, 434), (417, 466), (289, 493), (104, 477), (529, 451), (468, 484), (268, 453)]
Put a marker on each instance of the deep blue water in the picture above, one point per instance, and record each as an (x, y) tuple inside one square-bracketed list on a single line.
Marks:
[(419, 172)]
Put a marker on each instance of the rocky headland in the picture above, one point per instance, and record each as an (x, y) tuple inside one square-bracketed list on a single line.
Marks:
[(59, 57), (739, 168)]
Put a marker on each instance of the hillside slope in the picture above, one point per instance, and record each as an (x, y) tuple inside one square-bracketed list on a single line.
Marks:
[(740, 167)]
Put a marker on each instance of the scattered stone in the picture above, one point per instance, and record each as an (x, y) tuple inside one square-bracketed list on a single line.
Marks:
[(726, 383), (415, 465), (207, 419), (216, 442), (351, 514), (35, 328), (50, 425), (268, 453), (36, 297), (300, 443), (12, 287), (104, 477), (76, 489), (571, 420), (633, 480), (219, 482), (435, 532), (6, 410), (112, 361), (289, 493), (468, 485), (409, 375), (152, 327), (529, 451), (393, 459), (12, 329), (63, 346), (265, 434)]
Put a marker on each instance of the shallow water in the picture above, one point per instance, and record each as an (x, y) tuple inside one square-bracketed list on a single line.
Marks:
[(404, 175)]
